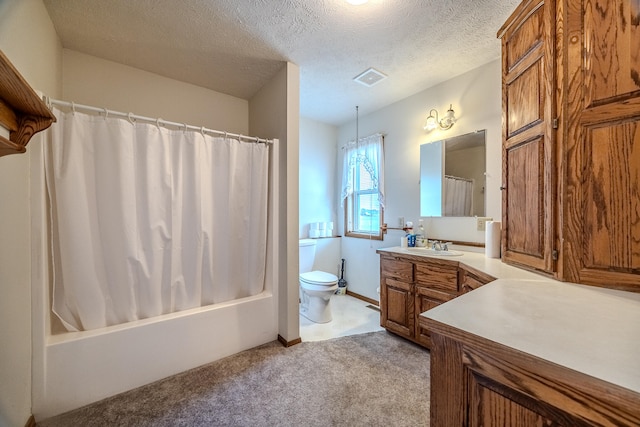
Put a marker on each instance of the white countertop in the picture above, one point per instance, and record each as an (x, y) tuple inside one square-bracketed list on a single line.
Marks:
[(595, 331), (492, 266)]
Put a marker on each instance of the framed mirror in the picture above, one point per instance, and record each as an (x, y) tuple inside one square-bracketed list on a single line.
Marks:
[(452, 176)]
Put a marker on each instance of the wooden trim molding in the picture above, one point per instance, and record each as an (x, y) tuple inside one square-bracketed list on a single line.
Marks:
[(22, 111), (286, 343), (363, 298), (460, 243), (31, 422)]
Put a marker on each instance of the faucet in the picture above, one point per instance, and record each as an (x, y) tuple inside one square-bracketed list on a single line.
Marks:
[(437, 245)]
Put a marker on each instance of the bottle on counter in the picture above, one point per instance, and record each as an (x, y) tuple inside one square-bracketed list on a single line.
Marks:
[(411, 238), (421, 236)]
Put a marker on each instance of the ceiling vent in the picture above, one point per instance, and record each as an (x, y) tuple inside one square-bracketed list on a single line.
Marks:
[(370, 77)]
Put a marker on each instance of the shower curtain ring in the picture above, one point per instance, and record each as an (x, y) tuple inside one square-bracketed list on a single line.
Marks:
[(131, 119), (106, 114), (73, 107), (202, 131), (158, 122)]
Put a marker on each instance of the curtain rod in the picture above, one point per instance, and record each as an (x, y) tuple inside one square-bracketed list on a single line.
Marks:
[(134, 117), (457, 178), (353, 142)]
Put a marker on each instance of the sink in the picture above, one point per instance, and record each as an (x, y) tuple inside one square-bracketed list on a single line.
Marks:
[(429, 251)]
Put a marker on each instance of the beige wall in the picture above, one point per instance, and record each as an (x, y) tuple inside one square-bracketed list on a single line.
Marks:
[(100, 83), (318, 163), (476, 99), (28, 39), (275, 113)]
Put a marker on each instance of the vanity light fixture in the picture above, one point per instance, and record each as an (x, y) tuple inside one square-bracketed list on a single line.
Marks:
[(447, 121)]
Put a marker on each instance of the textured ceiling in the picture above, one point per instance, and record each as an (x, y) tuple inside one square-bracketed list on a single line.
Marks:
[(236, 46)]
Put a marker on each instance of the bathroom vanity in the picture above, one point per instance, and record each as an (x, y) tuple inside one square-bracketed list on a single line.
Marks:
[(414, 280), (531, 353), (521, 349)]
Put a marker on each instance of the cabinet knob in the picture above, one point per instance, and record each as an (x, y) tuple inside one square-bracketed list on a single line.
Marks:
[(502, 187)]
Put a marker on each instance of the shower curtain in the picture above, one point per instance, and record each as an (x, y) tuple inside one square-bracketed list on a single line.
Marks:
[(147, 221), (458, 196)]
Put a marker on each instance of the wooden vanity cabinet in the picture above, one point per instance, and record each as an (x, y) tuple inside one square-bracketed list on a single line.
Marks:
[(571, 140), (411, 284), (476, 382), (397, 314), (531, 359), (436, 283)]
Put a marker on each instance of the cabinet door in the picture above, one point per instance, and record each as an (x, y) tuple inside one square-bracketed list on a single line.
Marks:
[(528, 197), (396, 296), (602, 239), (397, 311), (426, 299)]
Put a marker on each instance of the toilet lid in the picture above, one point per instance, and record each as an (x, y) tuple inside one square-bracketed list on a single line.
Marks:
[(319, 278)]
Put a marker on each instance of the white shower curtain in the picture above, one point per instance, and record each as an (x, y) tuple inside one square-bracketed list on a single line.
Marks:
[(147, 221), (458, 196)]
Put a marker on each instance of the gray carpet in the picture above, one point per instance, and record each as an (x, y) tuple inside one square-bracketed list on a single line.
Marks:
[(374, 379)]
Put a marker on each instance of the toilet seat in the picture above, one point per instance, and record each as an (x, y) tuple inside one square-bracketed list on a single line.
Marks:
[(318, 281)]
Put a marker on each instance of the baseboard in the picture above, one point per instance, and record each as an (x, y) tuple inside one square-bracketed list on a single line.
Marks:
[(363, 298), (31, 422), (289, 343)]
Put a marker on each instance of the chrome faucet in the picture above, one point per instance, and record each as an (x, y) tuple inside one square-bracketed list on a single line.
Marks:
[(437, 245)]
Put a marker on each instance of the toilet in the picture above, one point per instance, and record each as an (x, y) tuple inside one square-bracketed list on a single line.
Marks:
[(316, 287)]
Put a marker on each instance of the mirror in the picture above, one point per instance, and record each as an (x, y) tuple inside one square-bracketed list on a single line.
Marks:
[(452, 176)]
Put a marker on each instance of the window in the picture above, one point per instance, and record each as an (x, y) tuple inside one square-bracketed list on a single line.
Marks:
[(363, 188)]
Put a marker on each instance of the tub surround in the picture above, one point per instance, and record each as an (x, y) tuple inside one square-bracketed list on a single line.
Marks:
[(553, 348)]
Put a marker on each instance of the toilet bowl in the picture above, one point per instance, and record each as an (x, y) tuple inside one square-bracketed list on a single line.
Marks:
[(316, 289)]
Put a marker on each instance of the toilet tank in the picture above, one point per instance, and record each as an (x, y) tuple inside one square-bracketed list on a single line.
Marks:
[(307, 254)]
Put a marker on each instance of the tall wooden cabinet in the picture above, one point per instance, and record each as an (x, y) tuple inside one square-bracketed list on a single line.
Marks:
[(528, 158), (571, 140)]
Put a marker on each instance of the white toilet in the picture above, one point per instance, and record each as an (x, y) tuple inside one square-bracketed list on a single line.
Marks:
[(316, 287)]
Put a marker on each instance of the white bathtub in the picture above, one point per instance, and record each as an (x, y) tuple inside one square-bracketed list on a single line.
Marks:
[(73, 369), (78, 368)]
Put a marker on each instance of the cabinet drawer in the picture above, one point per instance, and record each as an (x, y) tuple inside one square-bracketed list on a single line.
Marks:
[(397, 284), (434, 295), (398, 269), (437, 276)]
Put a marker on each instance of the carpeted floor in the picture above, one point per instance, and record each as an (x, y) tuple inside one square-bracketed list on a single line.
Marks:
[(374, 379)]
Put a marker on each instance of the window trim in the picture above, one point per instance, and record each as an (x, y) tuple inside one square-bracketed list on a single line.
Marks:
[(350, 209)]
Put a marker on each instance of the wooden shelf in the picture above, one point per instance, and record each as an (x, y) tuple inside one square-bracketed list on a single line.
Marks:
[(22, 111)]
